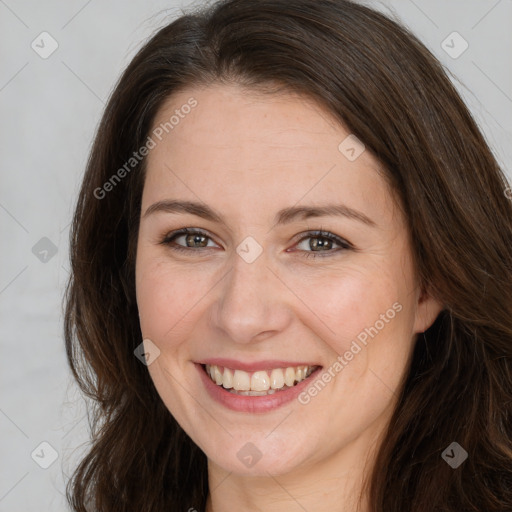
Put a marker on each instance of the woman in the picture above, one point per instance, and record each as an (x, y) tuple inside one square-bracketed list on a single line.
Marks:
[(232, 366)]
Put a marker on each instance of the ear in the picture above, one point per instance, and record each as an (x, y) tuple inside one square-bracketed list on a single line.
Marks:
[(427, 310)]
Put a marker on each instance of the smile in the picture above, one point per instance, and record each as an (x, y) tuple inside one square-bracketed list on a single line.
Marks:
[(258, 383)]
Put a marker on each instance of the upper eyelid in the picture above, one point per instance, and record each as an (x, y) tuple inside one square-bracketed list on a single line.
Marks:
[(188, 231), (319, 233)]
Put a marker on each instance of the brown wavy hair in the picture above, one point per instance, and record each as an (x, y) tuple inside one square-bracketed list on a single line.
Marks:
[(389, 90)]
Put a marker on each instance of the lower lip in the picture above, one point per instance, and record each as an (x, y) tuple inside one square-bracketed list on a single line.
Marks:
[(242, 403)]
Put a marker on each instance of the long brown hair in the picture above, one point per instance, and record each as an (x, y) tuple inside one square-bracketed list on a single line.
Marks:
[(387, 89)]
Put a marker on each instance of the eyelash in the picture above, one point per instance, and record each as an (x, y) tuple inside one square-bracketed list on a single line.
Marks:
[(170, 237)]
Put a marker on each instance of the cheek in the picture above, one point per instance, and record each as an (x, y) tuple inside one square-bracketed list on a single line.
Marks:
[(163, 295), (364, 315), (345, 303), (171, 298)]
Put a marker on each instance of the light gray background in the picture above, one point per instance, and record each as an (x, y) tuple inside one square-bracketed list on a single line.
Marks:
[(49, 111)]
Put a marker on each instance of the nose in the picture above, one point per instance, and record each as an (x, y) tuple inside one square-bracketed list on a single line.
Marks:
[(253, 304)]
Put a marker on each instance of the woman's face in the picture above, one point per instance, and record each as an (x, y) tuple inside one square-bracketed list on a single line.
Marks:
[(258, 290)]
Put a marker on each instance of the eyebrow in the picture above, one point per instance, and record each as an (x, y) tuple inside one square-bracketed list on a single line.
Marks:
[(284, 216)]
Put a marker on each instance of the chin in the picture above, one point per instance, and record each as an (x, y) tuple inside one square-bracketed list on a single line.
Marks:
[(256, 456)]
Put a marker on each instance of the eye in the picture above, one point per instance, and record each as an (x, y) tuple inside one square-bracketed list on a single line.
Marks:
[(323, 242), (193, 238)]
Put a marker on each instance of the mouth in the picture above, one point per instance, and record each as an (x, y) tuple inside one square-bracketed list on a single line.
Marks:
[(258, 383)]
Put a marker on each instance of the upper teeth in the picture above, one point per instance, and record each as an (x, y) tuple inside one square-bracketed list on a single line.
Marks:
[(260, 380)]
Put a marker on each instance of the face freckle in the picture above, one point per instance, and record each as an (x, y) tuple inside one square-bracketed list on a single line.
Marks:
[(259, 283)]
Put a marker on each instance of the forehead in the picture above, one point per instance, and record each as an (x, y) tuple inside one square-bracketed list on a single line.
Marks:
[(229, 117), (258, 150)]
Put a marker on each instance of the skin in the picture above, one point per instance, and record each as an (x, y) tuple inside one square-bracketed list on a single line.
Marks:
[(248, 155)]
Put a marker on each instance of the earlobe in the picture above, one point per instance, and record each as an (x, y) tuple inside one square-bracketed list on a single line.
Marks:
[(427, 310)]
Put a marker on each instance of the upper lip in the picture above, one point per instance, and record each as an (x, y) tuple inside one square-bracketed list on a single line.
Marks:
[(253, 366)]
